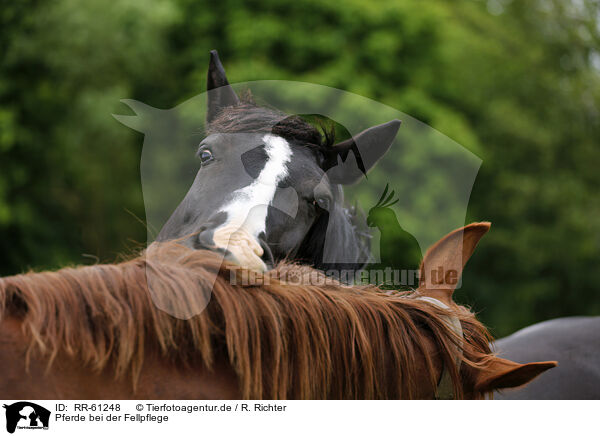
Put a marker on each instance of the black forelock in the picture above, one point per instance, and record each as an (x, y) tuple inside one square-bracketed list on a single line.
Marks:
[(247, 117)]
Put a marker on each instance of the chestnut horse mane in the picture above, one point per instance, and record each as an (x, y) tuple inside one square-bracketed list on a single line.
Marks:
[(283, 340)]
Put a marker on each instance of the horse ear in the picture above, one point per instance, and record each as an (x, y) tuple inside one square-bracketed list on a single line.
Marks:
[(502, 374), (220, 93), (345, 168), (443, 264)]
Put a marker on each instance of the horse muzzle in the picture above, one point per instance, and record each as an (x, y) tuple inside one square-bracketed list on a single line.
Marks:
[(239, 246)]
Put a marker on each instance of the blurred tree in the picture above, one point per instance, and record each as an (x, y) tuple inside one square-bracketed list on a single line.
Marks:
[(68, 173)]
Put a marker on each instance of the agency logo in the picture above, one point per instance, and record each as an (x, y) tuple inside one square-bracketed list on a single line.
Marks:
[(24, 415)]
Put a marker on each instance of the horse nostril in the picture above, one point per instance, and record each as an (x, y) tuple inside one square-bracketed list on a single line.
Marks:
[(205, 239)]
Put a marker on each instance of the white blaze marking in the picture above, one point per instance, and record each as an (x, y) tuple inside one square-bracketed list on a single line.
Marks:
[(247, 211), (243, 208)]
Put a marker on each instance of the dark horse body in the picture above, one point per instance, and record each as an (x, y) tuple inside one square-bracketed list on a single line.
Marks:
[(574, 342)]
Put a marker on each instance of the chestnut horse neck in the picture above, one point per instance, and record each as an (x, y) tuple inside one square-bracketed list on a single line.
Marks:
[(282, 340), (444, 390)]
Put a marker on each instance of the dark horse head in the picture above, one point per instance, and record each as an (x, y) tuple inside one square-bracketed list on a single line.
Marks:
[(269, 185)]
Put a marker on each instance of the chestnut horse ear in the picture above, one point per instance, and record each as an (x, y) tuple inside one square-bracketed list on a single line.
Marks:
[(502, 374), (220, 93), (350, 160), (443, 264)]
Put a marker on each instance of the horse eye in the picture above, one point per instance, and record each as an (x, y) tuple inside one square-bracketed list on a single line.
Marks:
[(322, 202), (205, 156)]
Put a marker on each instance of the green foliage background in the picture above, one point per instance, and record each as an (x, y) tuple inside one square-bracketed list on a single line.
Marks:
[(516, 82)]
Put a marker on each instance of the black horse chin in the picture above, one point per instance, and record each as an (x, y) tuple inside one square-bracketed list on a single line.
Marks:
[(202, 241)]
